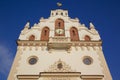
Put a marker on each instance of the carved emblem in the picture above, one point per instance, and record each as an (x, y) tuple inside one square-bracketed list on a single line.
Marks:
[(59, 66)]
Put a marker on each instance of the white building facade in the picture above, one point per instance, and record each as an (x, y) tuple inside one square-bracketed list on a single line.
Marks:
[(59, 48)]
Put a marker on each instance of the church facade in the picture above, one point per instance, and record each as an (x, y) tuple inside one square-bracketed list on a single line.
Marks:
[(59, 48)]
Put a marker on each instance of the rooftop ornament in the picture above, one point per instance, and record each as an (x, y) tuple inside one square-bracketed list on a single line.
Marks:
[(59, 4)]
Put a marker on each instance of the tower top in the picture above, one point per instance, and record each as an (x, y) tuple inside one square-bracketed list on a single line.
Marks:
[(58, 12)]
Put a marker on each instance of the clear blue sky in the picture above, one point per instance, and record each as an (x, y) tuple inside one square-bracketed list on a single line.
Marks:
[(104, 14)]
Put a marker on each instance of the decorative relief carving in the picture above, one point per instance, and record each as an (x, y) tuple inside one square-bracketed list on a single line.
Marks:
[(59, 42), (59, 66), (59, 39), (31, 43)]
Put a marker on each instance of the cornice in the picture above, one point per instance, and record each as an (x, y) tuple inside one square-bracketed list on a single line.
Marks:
[(60, 74), (46, 43), (28, 77), (86, 43), (92, 76)]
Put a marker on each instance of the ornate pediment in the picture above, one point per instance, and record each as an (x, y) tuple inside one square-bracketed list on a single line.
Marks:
[(60, 66)]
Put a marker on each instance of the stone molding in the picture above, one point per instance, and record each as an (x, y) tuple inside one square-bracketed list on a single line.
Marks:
[(92, 77), (61, 75), (45, 43), (28, 77)]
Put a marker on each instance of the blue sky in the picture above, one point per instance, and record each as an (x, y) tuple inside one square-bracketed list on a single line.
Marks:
[(104, 14)]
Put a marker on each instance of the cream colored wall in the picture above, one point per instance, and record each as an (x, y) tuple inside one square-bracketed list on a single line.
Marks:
[(45, 59)]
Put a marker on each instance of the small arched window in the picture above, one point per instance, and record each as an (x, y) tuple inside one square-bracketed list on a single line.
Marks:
[(45, 34), (87, 38), (59, 23), (32, 37), (74, 34)]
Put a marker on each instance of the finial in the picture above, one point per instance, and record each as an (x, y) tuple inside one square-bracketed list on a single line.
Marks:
[(59, 4), (92, 26), (27, 25)]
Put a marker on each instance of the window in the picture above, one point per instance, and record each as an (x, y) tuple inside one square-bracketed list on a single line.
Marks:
[(87, 60), (45, 34), (32, 60), (74, 34)]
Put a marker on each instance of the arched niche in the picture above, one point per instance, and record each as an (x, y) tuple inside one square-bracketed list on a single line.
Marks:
[(31, 37), (74, 34), (59, 24), (87, 38), (45, 34)]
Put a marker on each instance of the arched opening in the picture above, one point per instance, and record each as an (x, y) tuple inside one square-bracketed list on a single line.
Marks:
[(32, 37), (74, 34), (59, 24), (45, 34), (87, 38)]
